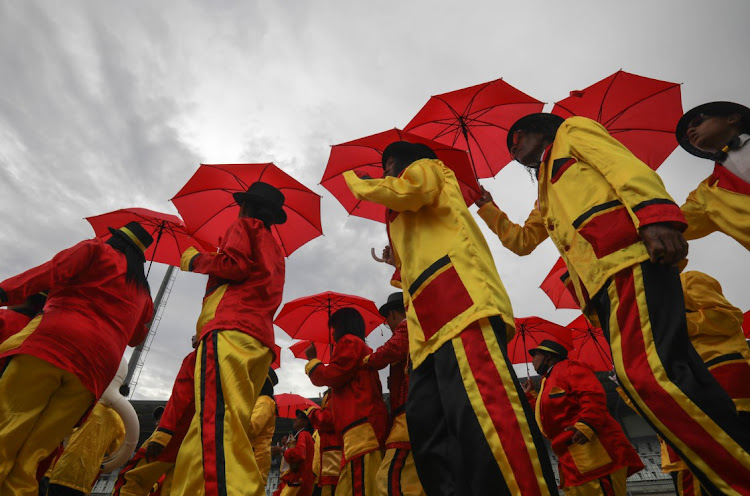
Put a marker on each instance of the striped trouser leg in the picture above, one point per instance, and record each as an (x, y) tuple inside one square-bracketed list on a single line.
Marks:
[(358, 475), (397, 475), (642, 312)]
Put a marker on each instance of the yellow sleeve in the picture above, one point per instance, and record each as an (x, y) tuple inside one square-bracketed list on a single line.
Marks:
[(118, 434), (708, 311), (263, 412), (420, 184), (521, 240), (699, 223)]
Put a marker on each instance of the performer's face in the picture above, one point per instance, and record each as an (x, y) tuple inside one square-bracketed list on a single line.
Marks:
[(539, 361), (711, 132), (390, 168), (527, 148), (299, 424)]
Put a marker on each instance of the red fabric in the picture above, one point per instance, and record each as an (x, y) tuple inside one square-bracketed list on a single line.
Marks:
[(206, 204), (476, 119), (212, 419), (583, 401), (557, 286), (613, 230), (323, 350), (91, 313), (48, 462), (639, 112), (322, 420), (590, 346), (307, 317), (356, 392), (724, 179), (301, 456), (732, 376), (530, 331), (364, 157), (395, 352), (170, 235), (661, 212), (252, 265), (180, 409), (288, 404), (746, 324), (397, 466), (11, 322), (441, 301), (132, 463)]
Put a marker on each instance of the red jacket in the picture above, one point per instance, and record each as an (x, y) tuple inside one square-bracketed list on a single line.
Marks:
[(359, 413), (395, 352), (571, 396), (245, 284), (11, 322), (301, 457), (331, 444), (179, 411), (92, 313)]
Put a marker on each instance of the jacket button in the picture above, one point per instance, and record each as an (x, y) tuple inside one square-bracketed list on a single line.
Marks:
[(550, 226), (567, 248)]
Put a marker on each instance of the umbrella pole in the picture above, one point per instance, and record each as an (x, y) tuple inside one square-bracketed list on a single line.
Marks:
[(465, 132), (523, 339), (156, 245)]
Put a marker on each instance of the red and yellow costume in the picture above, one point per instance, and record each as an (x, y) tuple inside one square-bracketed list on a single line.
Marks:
[(11, 322), (138, 476), (64, 360), (244, 290), (359, 413), (459, 318), (79, 465), (570, 395), (327, 461), (299, 480), (398, 474), (594, 195), (262, 430)]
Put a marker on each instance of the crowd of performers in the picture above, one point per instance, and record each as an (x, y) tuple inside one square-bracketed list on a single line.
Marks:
[(460, 422)]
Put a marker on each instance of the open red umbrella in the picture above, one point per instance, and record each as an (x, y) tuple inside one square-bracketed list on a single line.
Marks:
[(557, 286), (323, 350), (640, 112), (530, 331), (289, 403), (206, 204), (476, 119), (590, 345), (170, 235), (746, 324), (364, 156), (307, 317)]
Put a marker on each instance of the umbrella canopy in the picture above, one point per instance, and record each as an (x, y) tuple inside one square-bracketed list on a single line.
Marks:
[(323, 350), (640, 112), (206, 204), (530, 331), (307, 317), (590, 345), (555, 285), (364, 156), (746, 324), (476, 119), (289, 403), (170, 235)]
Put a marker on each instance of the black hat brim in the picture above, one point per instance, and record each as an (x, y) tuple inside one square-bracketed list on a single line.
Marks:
[(391, 305), (711, 108), (279, 216)]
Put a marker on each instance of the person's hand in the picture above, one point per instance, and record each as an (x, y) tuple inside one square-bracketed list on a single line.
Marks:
[(665, 243), (276, 450), (578, 436), (387, 256), (484, 199), (527, 386), (613, 376), (153, 450), (311, 353)]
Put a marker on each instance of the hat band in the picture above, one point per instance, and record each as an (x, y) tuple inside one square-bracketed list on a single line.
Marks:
[(133, 238)]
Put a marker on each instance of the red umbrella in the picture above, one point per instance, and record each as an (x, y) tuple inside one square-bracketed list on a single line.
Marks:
[(364, 156), (530, 331), (640, 112), (206, 203), (307, 317), (591, 347), (289, 403), (476, 119), (323, 350), (556, 286), (746, 324), (170, 235)]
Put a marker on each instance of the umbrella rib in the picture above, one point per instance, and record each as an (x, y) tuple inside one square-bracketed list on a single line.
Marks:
[(212, 217), (601, 105)]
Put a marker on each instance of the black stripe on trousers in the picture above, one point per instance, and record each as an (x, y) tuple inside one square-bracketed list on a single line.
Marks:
[(390, 471), (221, 475)]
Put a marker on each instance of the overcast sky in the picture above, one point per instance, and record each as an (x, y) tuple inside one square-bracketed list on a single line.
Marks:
[(108, 105)]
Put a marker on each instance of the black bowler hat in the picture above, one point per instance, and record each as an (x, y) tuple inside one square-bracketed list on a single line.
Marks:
[(532, 122), (551, 347), (395, 302), (135, 234), (264, 194), (712, 109)]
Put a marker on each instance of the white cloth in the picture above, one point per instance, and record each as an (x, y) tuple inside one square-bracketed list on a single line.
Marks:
[(738, 161)]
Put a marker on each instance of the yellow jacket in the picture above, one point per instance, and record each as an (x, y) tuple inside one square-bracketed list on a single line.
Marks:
[(445, 264), (101, 435), (263, 425), (720, 203), (594, 195)]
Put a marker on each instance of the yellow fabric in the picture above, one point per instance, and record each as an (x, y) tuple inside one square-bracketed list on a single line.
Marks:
[(692, 488), (316, 456), (290, 491), (160, 437), (408, 484), (521, 240), (210, 304), (187, 257), (432, 223), (262, 429), (17, 339), (144, 475), (327, 490), (538, 408), (311, 364), (594, 487), (359, 439), (40, 405), (101, 435), (243, 364), (371, 464), (331, 463), (399, 430), (710, 208), (589, 456), (586, 430), (127, 232)]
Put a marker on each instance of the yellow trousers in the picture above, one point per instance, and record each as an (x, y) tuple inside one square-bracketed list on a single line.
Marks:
[(216, 456), (358, 476), (39, 405), (397, 475), (138, 477), (612, 485)]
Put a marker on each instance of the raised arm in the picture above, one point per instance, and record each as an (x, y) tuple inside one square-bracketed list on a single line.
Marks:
[(234, 262), (521, 240), (345, 361)]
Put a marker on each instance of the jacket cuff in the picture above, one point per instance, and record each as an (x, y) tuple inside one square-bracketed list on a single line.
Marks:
[(160, 437), (586, 430), (396, 279), (659, 210), (312, 365), (187, 260)]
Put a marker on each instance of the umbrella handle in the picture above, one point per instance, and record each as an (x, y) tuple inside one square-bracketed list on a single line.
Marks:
[(375, 257)]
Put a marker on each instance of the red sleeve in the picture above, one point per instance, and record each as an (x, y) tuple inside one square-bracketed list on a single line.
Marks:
[(183, 394), (592, 400), (299, 452), (322, 419), (396, 349), (234, 261), (345, 361), (660, 210), (58, 271), (531, 396)]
